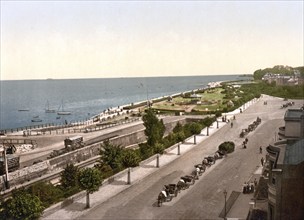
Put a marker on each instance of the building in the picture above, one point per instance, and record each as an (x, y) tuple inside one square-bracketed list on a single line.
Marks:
[(285, 162)]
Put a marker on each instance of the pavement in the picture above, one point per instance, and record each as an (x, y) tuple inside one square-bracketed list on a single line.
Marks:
[(77, 208)]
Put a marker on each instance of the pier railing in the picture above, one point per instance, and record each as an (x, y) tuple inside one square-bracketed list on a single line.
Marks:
[(76, 127)]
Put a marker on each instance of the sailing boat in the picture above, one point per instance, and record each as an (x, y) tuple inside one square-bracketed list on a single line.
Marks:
[(61, 111), (48, 110)]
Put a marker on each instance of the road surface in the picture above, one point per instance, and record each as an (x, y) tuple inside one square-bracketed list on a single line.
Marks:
[(205, 199)]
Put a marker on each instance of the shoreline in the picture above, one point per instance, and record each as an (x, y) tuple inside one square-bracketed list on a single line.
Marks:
[(129, 107)]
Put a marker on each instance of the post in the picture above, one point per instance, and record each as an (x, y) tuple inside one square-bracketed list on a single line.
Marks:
[(178, 149), (157, 160), (208, 131), (217, 124), (225, 194), (7, 185), (129, 176), (194, 137)]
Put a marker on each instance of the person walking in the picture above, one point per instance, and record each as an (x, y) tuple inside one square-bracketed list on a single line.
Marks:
[(262, 161), (261, 149)]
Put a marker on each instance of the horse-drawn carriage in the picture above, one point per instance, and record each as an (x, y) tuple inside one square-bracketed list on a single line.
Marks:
[(167, 194), (243, 133), (163, 197), (208, 161), (171, 190), (201, 168), (219, 154)]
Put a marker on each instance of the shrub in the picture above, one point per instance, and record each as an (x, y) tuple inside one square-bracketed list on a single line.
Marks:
[(218, 114), (105, 169), (180, 136), (158, 148), (22, 206), (178, 127), (47, 193), (195, 128), (145, 150), (227, 146)]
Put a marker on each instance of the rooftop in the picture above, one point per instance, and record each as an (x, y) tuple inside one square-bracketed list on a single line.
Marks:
[(294, 114)]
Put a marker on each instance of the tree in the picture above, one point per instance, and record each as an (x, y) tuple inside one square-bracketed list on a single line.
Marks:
[(130, 158), (68, 180), (195, 128), (69, 177), (155, 128), (207, 122), (23, 206), (111, 155), (89, 179)]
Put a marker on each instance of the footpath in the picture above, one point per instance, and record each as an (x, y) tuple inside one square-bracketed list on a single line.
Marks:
[(74, 207)]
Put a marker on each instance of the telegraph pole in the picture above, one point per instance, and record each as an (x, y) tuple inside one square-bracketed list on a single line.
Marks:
[(7, 185)]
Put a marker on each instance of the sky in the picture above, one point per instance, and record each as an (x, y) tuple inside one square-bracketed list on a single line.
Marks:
[(103, 39)]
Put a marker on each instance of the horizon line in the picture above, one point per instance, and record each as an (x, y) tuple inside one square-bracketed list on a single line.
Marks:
[(126, 77)]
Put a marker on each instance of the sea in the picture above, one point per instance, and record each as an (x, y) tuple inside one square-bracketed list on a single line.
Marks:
[(24, 100)]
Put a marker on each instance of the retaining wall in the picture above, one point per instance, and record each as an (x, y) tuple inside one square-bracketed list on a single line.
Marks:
[(46, 167)]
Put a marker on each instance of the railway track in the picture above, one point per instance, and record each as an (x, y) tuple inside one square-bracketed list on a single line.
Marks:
[(53, 177)]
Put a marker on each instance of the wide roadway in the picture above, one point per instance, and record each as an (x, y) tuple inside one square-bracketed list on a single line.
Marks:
[(205, 199)]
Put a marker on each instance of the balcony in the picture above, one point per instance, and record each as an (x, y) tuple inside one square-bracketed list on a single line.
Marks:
[(281, 133)]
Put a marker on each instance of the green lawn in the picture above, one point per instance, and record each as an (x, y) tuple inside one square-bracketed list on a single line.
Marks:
[(210, 99)]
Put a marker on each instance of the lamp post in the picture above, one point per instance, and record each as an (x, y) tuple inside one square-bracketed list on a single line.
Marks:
[(225, 194)]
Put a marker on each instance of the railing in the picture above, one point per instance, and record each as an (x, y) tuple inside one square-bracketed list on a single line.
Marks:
[(18, 141), (76, 127), (281, 133)]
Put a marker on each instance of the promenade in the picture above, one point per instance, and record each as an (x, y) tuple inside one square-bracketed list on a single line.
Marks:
[(108, 191)]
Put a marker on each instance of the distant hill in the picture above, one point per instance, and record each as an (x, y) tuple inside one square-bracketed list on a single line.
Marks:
[(279, 69)]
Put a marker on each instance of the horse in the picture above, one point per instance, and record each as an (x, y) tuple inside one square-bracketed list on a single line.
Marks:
[(201, 167), (160, 199), (188, 179), (181, 185)]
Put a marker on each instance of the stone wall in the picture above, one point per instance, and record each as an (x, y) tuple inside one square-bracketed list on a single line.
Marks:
[(46, 167)]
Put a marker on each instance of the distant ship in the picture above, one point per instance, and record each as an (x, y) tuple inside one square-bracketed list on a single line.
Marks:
[(23, 110), (61, 111), (36, 119)]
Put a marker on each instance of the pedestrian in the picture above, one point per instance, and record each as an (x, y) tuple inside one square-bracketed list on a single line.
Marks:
[(231, 124), (262, 161), (246, 139), (244, 187), (234, 117), (255, 182), (261, 149)]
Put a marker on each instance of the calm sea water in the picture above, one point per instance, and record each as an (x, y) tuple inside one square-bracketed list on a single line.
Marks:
[(86, 97)]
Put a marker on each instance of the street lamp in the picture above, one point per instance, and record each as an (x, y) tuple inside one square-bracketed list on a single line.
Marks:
[(225, 194)]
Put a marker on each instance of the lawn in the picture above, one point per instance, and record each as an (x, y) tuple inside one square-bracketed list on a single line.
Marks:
[(211, 99)]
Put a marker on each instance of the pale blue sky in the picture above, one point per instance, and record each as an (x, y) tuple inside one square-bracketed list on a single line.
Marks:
[(93, 39)]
